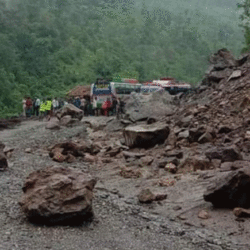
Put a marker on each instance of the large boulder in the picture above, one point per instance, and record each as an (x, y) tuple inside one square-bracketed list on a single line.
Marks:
[(141, 107), (145, 136), (71, 110), (57, 195), (230, 190)]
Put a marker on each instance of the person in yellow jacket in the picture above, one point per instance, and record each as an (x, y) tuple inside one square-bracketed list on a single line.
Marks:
[(49, 107), (42, 109)]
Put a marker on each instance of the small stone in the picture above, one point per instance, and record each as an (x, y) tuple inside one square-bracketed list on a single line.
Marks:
[(171, 168), (89, 158), (71, 158), (146, 196), (182, 217), (203, 215), (160, 197), (28, 150), (176, 208), (59, 157)]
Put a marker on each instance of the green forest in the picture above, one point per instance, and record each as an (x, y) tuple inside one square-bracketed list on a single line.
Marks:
[(49, 46)]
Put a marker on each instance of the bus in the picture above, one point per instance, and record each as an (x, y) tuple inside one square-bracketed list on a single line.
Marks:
[(119, 89), (148, 89), (170, 85), (101, 90)]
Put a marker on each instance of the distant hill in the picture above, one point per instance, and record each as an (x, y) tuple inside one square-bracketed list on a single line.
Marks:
[(48, 46)]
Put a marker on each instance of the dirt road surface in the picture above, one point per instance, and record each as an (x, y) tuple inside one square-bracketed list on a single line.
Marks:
[(120, 221)]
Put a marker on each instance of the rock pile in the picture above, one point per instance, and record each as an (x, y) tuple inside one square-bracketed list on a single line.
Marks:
[(56, 195), (210, 129)]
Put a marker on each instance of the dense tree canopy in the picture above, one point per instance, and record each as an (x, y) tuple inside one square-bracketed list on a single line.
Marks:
[(48, 46)]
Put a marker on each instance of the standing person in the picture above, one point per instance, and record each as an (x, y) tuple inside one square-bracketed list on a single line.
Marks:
[(33, 106), (86, 108), (106, 106), (57, 104), (95, 106), (48, 108), (24, 106), (42, 109), (77, 102), (28, 107), (37, 106), (82, 103), (65, 102), (114, 104), (53, 106), (61, 103)]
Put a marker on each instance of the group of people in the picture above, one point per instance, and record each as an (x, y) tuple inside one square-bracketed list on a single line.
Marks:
[(113, 106), (42, 108), (96, 107), (46, 107)]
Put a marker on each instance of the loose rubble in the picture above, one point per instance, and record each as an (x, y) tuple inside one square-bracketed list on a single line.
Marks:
[(190, 158)]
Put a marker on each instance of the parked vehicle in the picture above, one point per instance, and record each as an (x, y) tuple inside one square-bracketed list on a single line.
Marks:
[(172, 86), (147, 89)]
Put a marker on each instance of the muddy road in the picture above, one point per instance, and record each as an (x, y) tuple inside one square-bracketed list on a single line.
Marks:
[(120, 222)]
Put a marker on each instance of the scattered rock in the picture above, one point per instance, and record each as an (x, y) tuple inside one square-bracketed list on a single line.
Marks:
[(216, 163), (183, 135), (241, 212), (224, 129), (229, 166), (206, 137), (89, 158), (204, 215), (165, 182), (146, 160), (160, 197), (230, 190), (146, 196), (176, 208), (58, 195), (7, 150), (70, 110), (146, 136), (175, 153), (3, 161), (65, 120), (171, 168), (231, 153), (68, 121), (130, 173), (28, 150), (113, 152), (128, 154), (58, 157), (53, 125), (70, 158)]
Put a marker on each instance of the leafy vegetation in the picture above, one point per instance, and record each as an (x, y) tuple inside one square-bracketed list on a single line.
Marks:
[(245, 22), (48, 46)]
